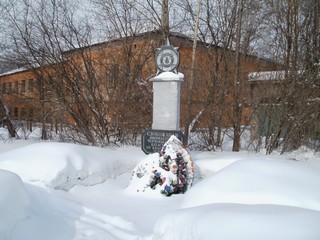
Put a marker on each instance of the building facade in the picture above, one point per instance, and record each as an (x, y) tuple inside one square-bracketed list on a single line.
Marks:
[(108, 84)]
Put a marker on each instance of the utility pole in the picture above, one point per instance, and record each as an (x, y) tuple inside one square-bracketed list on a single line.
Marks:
[(237, 111), (192, 78)]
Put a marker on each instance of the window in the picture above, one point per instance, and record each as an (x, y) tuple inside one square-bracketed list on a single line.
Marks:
[(16, 87), (16, 112), (23, 86), (9, 87), (22, 113), (30, 114), (78, 81), (113, 73), (4, 88), (30, 85), (138, 71)]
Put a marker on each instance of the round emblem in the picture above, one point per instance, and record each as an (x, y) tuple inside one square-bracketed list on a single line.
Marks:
[(167, 59)]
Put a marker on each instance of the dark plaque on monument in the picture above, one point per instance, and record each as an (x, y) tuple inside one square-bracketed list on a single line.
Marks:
[(153, 140)]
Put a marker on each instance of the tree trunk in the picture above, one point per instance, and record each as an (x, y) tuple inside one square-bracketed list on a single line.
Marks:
[(6, 120)]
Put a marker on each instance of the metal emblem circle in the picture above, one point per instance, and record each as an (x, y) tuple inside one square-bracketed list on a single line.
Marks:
[(167, 59)]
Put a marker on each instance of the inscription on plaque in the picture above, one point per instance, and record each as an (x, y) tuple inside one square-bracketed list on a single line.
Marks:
[(153, 140)]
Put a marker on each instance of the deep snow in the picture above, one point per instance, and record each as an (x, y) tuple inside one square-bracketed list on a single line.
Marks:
[(65, 191), (14, 202)]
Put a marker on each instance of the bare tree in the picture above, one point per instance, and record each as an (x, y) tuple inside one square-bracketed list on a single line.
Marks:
[(189, 120), (5, 119), (231, 31), (290, 117), (86, 83)]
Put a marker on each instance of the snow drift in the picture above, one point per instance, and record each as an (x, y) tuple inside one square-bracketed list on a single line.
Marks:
[(277, 182), (14, 202), (228, 221), (62, 166), (249, 200), (234, 196)]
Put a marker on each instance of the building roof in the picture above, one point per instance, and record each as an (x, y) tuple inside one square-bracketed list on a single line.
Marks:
[(13, 71), (155, 34)]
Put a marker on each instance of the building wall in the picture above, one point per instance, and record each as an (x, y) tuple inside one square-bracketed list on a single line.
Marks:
[(122, 69), (18, 94)]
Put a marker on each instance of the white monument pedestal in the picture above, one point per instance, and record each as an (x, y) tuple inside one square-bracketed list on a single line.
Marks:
[(166, 101)]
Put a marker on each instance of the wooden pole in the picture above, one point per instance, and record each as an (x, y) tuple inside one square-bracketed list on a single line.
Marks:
[(165, 19)]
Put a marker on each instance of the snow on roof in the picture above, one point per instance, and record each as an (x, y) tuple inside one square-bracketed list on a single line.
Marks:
[(17, 70), (267, 75)]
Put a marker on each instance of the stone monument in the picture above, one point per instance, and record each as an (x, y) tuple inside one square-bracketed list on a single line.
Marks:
[(166, 100)]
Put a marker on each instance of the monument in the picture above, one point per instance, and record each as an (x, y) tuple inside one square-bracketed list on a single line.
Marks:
[(170, 169), (166, 100)]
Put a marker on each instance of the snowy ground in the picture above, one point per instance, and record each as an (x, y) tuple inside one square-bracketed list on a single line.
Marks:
[(64, 191)]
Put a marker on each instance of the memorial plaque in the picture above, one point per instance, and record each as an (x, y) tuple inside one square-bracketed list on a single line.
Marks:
[(153, 140)]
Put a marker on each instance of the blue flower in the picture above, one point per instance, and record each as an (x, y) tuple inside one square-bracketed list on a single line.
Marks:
[(167, 188)]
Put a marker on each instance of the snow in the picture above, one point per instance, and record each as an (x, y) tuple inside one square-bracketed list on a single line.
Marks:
[(63, 191), (276, 182), (267, 75), (17, 70), (169, 76), (62, 166), (239, 221), (14, 202)]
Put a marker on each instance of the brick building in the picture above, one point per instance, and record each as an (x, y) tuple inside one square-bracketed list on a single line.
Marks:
[(287, 105), (112, 78)]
